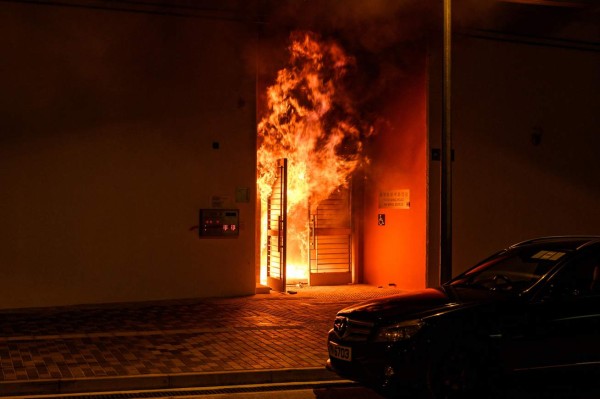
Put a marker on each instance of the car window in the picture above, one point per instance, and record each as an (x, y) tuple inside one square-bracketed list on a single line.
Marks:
[(580, 277), (513, 270)]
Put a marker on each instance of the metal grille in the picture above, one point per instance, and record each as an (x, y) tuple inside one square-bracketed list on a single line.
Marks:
[(353, 330), (331, 234), (331, 254)]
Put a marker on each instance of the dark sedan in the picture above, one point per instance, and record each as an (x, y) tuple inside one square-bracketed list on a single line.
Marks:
[(533, 307)]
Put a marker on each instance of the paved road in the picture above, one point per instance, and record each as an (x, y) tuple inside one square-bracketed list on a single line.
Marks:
[(318, 393), (184, 343), (363, 393), (272, 331), (306, 390), (318, 390)]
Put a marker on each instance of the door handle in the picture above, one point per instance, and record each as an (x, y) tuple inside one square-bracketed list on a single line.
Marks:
[(280, 233), (313, 238)]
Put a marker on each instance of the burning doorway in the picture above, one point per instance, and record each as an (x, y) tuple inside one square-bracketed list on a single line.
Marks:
[(306, 234), (329, 244)]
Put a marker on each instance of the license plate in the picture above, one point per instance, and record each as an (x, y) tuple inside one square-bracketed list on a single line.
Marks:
[(340, 352)]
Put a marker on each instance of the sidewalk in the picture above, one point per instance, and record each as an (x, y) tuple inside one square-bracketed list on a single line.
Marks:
[(263, 338)]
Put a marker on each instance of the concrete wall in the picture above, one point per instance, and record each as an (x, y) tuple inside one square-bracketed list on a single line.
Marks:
[(107, 126), (507, 187)]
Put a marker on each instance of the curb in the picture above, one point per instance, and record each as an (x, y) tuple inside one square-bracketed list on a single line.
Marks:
[(164, 381)]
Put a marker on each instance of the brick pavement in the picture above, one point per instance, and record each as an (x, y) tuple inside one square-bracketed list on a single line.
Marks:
[(260, 332)]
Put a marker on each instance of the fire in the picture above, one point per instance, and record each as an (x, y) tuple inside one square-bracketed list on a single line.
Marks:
[(310, 121)]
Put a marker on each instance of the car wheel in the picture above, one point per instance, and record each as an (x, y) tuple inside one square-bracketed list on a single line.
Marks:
[(456, 373)]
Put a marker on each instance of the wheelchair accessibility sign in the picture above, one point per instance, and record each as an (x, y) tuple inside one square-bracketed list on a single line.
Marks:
[(381, 219)]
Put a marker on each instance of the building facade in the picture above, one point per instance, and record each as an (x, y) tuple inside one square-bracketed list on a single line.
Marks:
[(120, 125)]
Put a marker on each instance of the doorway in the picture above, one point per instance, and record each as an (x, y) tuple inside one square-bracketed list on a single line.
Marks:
[(326, 242)]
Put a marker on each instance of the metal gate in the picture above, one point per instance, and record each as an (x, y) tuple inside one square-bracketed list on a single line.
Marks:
[(331, 240), (277, 230)]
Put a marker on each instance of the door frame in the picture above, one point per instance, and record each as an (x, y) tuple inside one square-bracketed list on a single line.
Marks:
[(277, 229)]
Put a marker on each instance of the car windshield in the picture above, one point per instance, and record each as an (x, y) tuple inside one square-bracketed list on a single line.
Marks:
[(515, 270)]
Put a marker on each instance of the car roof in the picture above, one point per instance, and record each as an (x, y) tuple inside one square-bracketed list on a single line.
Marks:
[(573, 243)]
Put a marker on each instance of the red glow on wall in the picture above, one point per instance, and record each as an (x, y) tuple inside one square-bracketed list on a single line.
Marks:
[(395, 253)]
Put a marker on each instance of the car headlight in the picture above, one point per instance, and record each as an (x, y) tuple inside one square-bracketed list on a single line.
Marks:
[(399, 331)]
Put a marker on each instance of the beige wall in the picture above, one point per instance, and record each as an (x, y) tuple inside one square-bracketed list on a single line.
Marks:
[(106, 132), (506, 188)]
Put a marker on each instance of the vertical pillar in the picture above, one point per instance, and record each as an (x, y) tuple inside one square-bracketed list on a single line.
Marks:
[(446, 150)]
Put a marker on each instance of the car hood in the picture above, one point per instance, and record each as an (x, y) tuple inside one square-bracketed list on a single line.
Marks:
[(420, 304)]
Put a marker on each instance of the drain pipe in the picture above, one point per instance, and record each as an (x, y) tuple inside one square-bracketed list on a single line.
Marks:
[(446, 150)]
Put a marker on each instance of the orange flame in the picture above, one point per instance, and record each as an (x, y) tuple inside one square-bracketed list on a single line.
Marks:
[(311, 122)]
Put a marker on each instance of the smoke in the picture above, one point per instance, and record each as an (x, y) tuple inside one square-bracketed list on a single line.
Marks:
[(374, 24), (386, 39)]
